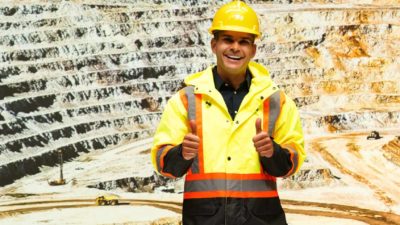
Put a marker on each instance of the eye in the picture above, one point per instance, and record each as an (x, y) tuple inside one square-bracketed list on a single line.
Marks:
[(228, 39), (245, 42)]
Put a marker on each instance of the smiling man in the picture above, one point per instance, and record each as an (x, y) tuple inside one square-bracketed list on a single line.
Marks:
[(230, 131)]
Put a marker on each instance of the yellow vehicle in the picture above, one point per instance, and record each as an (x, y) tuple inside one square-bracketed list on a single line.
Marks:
[(56, 182), (108, 199)]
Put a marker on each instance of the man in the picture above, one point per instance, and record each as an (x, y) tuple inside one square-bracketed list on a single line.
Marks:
[(231, 131)]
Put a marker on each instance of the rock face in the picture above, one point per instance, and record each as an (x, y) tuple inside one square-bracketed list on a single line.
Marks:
[(310, 177), (85, 75), (391, 151), (149, 184)]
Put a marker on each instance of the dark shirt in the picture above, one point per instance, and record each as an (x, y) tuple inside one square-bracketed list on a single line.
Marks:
[(233, 98)]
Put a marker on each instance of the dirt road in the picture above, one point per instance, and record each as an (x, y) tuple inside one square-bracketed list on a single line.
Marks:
[(295, 207), (363, 160)]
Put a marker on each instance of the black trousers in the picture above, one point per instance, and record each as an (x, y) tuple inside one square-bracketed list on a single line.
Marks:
[(233, 211)]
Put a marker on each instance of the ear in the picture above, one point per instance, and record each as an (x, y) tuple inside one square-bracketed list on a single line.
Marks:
[(213, 44), (254, 50)]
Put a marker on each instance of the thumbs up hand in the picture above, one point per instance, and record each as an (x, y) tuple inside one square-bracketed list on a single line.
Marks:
[(262, 141), (191, 142)]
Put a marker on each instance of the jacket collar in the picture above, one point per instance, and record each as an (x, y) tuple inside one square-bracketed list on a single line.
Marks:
[(219, 83)]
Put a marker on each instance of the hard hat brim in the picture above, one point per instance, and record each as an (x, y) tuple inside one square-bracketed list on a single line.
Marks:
[(234, 28)]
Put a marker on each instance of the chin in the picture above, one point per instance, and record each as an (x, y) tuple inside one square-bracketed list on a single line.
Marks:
[(234, 66)]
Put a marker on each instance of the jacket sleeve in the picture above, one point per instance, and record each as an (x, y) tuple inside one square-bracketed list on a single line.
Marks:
[(288, 142), (166, 151), (175, 164)]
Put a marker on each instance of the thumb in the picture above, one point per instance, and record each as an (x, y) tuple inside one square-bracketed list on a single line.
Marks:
[(258, 126), (193, 127)]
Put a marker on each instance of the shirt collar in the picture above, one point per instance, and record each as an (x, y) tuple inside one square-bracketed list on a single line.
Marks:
[(218, 82)]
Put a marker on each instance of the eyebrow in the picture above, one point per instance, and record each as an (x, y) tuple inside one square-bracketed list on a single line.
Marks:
[(230, 36)]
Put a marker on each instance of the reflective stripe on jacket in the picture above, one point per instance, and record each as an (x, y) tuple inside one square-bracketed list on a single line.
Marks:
[(227, 164)]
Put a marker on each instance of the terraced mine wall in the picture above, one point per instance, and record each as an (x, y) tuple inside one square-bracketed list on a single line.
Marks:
[(95, 74)]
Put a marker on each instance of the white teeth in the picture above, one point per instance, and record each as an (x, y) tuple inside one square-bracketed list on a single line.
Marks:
[(233, 57)]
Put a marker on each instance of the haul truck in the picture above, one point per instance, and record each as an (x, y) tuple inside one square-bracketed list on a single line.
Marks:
[(107, 199)]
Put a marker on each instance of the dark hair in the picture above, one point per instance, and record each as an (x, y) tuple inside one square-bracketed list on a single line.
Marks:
[(217, 32)]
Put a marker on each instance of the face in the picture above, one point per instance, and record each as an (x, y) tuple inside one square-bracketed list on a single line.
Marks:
[(234, 50)]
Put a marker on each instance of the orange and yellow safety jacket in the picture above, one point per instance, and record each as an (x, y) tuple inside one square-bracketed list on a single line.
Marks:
[(227, 164)]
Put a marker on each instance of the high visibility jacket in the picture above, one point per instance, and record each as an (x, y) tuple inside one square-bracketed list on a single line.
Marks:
[(227, 164)]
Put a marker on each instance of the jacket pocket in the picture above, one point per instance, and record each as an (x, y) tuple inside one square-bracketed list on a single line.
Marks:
[(200, 207), (265, 206)]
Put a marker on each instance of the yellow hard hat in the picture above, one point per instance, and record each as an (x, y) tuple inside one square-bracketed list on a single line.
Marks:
[(236, 16)]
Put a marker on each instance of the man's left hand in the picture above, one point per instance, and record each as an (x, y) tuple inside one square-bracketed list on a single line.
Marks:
[(262, 141)]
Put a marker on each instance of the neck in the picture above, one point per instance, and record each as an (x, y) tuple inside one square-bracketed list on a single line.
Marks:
[(233, 79)]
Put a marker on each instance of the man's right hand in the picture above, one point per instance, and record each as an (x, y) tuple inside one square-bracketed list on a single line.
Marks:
[(191, 142)]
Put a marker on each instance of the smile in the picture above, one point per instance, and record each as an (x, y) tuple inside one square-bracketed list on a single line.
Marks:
[(233, 57)]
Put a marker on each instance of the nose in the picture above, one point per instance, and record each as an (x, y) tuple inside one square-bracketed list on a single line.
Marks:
[(235, 46)]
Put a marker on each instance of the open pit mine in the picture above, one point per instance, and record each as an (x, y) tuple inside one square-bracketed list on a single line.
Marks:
[(83, 84)]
